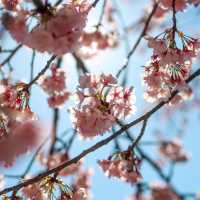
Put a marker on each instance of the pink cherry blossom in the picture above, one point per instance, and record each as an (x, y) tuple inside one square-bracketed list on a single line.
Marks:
[(173, 151), (14, 101), (20, 137), (162, 191), (57, 159), (100, 103), (56, 82), (124, 165), (169, 67), (69, 20), (83, 179), (33, 192), (59, 99), (79, 194), (55, 86), (20, 130), (95, 38), (169, 54), (93, 42), (180, 5)]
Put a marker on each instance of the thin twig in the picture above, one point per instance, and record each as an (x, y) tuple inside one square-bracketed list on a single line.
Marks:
[(136, 141), (101, 15), (54, 131), (174, 19), (33, 158), (70, 141), (32, 65), (143, 33), (41, 72), (95, 3), (11, 55), (80, 64)]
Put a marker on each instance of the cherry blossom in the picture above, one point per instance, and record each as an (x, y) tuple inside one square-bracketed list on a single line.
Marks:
[(161, 83), (168, 53), (77, 195), (173, 150), (33, 192), (57, 159), (20, 130), (94, 41), (169, 67), (55, 86), (162, 191), (100, 103), (124, 165), (20, 137), (180, 5), (69, 20), (14, 101), (82, 180)]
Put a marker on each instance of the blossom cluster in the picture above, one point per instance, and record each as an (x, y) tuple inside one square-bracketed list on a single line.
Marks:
[(69, 20), (101, 102), (55, 86), (94, 41), (169, 66), (46, 189), (57, 159), (77, 195), (34, 192), (180, 5), (19, 128), (173, 150), (124, 165), (83, 182)]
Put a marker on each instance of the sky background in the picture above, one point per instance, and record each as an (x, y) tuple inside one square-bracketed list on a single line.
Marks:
[(187, 176)]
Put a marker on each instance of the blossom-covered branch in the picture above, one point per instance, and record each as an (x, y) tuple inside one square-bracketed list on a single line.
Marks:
[(88, 102), (97, 145)]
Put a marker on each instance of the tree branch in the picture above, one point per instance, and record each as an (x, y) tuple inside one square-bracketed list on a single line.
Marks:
[(142, 34), (41, 72), (136, 141), (11, 55)]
